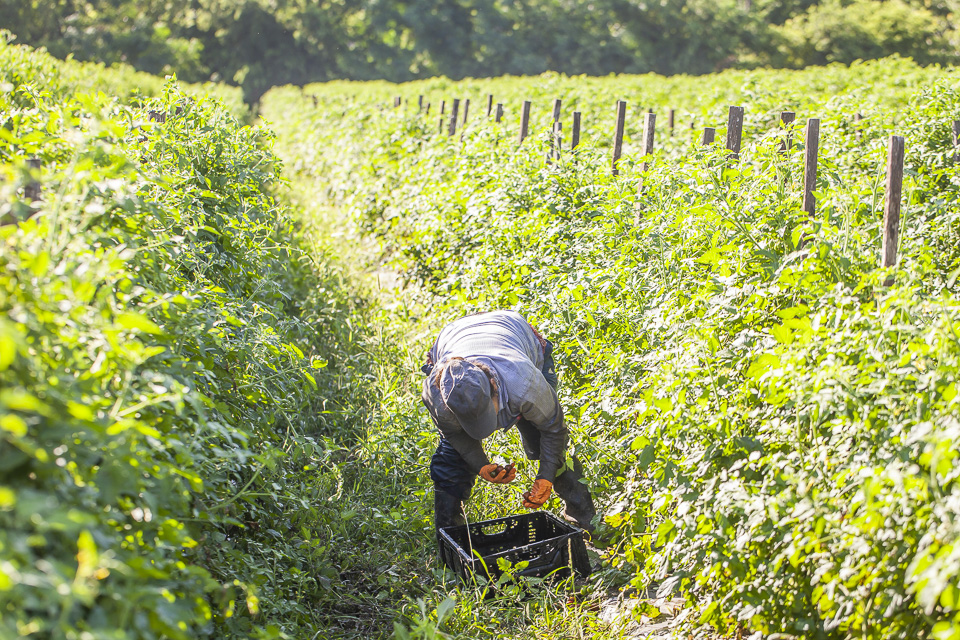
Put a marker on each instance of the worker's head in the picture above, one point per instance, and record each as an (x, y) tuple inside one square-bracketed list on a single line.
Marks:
[(469, 389)]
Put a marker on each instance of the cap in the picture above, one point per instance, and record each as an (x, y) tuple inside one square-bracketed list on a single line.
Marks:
[(465, 389)]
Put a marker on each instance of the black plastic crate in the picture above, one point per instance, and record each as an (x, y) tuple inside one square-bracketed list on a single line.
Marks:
[(549, 544)]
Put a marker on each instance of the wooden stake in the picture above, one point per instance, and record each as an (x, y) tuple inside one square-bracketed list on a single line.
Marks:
[(786, 119), (427, 112), (956, 140), (709, 133), (646, 147), (489, 104), (812, 146), (524, 121), (618, 136), (575, 134), (397, 102), (556, 110), (466, 111), (734, 130), (891, 204), (499, 112), (443, 107), (454, 111), (419, 104), (670, 121), (32, 190), (556, 140), (440, 127)]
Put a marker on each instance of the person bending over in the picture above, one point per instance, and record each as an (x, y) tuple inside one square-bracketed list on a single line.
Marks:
[(492, 371)]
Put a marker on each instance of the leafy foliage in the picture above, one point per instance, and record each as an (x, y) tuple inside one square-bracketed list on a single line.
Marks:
[(178, 361), (771, 430), (258, 44)]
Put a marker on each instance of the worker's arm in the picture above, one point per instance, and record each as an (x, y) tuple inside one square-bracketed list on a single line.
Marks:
[(469, 449), (541, 407)]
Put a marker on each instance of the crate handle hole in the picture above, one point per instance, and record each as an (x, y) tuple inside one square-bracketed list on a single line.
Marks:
[(494, 529)]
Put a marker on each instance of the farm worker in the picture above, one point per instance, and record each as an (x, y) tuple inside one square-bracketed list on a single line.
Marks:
[(487, 372)]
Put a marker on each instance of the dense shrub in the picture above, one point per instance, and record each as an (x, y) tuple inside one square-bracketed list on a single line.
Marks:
[(770, 429), (176, 360)]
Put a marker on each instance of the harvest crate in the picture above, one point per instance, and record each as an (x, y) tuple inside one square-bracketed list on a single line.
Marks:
[(550, 546)]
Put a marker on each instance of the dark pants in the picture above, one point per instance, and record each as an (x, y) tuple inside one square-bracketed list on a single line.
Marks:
[(453, 481)]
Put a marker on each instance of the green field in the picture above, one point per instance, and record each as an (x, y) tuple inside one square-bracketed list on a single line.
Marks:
[(212, 331)]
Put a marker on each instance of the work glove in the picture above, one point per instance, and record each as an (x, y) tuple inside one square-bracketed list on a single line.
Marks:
[(539, 493), (498, 475)]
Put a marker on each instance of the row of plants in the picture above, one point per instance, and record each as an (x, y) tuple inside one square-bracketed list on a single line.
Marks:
[(769, 428), (183, 368)]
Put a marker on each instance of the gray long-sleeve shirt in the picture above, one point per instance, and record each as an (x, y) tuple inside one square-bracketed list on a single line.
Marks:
[(504, 341)]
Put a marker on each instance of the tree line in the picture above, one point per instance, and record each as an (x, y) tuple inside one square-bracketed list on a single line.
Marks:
[(257, 44)]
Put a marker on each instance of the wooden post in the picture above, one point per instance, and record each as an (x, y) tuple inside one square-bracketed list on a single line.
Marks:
[(786, 119), (891, 204), (466, 111), (489, 104), (556, 110), (499, 112), (32, 189), (443, 107), (440, 127), (454, 110), (810, 165), (670, 121), (556, 140), (618, 136), (956, 140), (397, 102), (427, 112), (419, 104), (646, 147), (734, 130), (709, 133), (524, 121), (575, 134)]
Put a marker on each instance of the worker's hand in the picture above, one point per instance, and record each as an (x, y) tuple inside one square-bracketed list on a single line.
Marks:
[(539, 493), (498, 475)]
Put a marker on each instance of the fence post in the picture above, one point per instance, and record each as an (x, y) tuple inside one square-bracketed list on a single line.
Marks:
[(419, 104), (499, 112), (709, 133), (443, 107), (891, 204), (32, 189), (397, 102), (956, 140), (670, 120), (524, 121), (556, 140), (556, 110), (454, 111), (575, 134), (646, 147), (734, 131), (786, 119), (427, 112), (812, 146), (618, 136), (489, 104), (466, 111)]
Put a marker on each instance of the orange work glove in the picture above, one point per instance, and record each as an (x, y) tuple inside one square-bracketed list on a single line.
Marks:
[(539, 493), (498, 475)]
